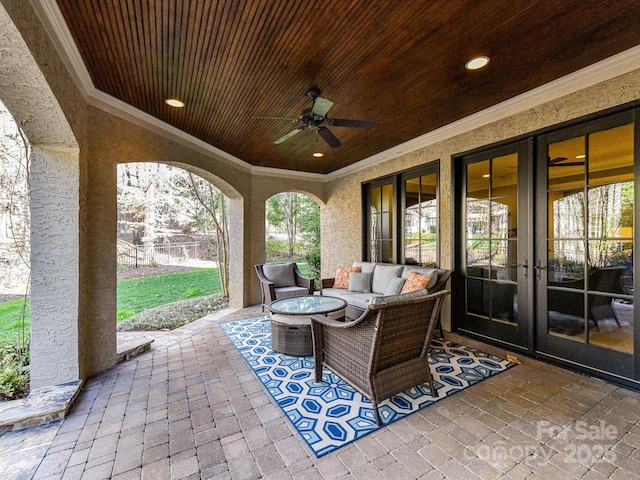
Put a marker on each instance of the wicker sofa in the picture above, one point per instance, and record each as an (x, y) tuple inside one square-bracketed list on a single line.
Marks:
[(382, 275), (385, 350)]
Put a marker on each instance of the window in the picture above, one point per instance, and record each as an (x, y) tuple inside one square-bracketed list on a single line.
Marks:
[(402, 207)]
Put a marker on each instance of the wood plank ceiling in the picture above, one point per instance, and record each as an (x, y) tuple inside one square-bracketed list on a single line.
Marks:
[(400, 64)]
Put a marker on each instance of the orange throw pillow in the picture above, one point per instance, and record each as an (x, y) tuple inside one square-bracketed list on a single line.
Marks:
[(415, 282), (342, 276)]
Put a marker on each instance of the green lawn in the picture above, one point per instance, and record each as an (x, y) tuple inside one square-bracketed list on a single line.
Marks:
[(134, 296), (143, 293)]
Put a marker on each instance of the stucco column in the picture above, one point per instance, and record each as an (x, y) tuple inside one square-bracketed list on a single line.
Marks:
[(54, 184)]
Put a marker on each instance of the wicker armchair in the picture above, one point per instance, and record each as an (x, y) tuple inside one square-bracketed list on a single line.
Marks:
[(384, 351), (282, 280)]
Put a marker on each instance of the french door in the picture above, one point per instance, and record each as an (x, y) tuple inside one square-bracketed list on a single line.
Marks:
[(545, 247), (494, 245), (585, 237)]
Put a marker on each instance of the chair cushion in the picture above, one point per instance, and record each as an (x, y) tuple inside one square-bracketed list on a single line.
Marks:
[(432, 272), (281, 274), (415, 281), (286, 292), (382, 276), (395, 286), (360, 282), (342, 276)]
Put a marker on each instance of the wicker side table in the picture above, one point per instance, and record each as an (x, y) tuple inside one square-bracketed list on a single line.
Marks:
[(291, 334), (291, 322)]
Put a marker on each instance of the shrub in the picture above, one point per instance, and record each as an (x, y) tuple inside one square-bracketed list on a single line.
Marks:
[(314, 263), (14, 371), (193, 292)]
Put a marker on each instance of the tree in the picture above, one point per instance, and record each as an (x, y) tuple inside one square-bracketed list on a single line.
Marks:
[(15, 152), (298, 216), (208, 209)]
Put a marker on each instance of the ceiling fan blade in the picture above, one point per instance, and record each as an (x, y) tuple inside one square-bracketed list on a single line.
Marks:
[(262, 117), (287, 136), (345, 122), (321, 106), (553, 161), (328, 137)]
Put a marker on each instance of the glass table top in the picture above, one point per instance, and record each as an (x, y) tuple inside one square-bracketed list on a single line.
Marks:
[(308, 304)]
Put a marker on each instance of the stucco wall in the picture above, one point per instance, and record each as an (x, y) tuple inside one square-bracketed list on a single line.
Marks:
[(341, 216)]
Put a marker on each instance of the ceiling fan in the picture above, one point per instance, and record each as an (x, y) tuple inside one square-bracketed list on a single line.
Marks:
[(562, 162), (316, 118)]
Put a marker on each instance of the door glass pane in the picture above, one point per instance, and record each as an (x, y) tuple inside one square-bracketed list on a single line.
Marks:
[(611, 155), (593, 223), (491, 234), (566, 163), (380, 223), (421, 220)]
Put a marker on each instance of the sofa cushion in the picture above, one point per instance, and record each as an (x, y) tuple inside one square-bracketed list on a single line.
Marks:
[(365, 267), (360, 282), (281, 274), (391, 299), (382, 276), (395, 286), (432, 272), (415, 281), (360, 300), (342, 276)]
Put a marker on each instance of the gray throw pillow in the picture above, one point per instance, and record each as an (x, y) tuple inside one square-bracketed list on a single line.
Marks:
[(395, 286), (281, 274), (360, 282)]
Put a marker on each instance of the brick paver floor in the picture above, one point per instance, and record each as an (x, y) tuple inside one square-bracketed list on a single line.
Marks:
[(191, 408)]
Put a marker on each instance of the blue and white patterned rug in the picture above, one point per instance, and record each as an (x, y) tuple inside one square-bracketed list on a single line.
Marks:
[(332, 414)]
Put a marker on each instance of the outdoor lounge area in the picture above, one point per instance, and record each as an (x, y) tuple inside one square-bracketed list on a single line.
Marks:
[(192, 408), (493, 143)]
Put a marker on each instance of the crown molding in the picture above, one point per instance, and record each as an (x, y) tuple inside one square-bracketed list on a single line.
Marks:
[(615, 66), (51, 17)]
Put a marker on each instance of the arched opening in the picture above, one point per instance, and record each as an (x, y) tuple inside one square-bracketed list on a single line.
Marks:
[(173, 247), (15, 248), (292, 231)]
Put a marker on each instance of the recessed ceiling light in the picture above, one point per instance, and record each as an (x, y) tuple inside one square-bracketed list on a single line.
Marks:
[(486, 175), (580, 156), (476, 63), (318, 154), (174, 102)]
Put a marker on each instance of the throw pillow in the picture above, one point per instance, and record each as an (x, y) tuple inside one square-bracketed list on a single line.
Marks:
[(360, 282), (395, 286), (342, 276), (281, 274), (432, 272), (415, 282)]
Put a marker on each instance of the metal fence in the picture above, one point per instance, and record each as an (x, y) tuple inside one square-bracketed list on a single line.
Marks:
[(133, 256)]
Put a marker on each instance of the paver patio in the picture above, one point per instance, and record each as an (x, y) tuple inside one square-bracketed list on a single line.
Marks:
[(191, 408)]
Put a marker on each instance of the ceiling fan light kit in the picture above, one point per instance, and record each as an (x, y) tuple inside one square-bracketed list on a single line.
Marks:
[(316, 118)]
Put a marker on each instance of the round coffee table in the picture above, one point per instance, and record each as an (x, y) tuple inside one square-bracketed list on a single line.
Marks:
[(291, 321)]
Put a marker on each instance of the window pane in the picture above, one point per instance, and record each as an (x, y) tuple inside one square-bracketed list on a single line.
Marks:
[(611, 155), (566, 262), (478, 218), (566, 163), (478, 177), (502, 214), (610, 211), (504, 175), (566, 214)]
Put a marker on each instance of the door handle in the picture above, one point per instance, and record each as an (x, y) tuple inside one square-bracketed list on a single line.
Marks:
[(539, 269), (525, 268)]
